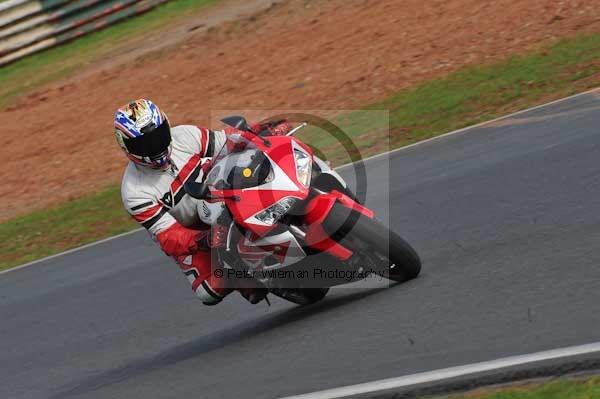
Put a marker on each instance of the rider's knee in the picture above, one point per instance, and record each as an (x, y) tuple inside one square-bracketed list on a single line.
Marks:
[(208, 295)]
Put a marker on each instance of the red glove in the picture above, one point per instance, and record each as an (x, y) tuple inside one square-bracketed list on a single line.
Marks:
[(178, 240), (274, 128), (205, 167)]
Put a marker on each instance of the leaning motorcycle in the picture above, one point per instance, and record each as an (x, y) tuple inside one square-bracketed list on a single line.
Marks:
[(295, 227)]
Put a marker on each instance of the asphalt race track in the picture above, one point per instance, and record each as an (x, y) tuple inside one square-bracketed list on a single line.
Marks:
[(506, 218)]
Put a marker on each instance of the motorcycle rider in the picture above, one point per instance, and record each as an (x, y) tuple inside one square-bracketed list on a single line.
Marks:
[(161, 160)]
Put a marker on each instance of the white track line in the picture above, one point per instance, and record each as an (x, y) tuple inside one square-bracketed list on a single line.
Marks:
[(339, 167), (448, 373)]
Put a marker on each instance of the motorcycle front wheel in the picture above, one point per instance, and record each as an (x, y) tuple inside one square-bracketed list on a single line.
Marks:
[(345, 224)]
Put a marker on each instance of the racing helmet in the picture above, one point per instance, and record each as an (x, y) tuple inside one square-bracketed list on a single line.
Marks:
[(143, 133)]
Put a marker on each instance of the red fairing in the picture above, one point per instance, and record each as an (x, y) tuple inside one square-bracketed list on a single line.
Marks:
[(178, 240), (250, 201), (316, 237), (316, 212), (350, 203), (318, 209)]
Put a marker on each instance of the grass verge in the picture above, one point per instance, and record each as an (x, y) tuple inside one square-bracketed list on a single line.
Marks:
[(471, 96), (460, 99), (69, 225), (58, 62), (587, 388)]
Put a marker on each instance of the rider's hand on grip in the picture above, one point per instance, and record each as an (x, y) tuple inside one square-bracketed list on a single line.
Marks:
[(216, 237), (274, 128)]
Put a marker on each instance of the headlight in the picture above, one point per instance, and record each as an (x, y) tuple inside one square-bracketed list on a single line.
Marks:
[(303, 167), (273, 213)]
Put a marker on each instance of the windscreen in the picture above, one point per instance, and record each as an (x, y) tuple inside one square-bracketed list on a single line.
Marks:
[(239, 164)]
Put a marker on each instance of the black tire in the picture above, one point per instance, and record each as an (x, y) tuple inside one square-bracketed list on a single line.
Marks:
[(346, 224), (301, 296), (314, 294)]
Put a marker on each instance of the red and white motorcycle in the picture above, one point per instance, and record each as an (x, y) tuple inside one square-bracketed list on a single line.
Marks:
[(295, 227)]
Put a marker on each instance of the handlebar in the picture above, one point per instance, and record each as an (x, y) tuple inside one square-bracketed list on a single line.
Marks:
[(294, 130)]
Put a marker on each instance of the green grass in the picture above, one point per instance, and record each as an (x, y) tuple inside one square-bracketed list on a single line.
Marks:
[(69, 225), (460, 99), (58, 62), (562, 389)]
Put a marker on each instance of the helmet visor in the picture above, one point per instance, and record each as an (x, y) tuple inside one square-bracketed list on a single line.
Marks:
[(151, 144)]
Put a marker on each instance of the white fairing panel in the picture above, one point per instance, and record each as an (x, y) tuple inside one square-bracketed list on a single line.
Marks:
[(284, 247)]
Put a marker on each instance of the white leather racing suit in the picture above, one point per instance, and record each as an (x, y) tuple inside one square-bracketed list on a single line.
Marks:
[(156, 199)]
